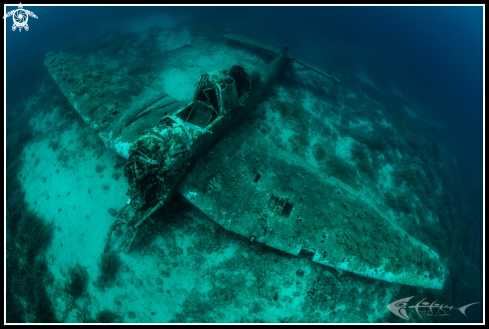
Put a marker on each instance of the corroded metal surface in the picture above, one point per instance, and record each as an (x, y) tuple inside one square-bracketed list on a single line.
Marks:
[(160, 158), (250, 187), (116, 106), (247, 183)]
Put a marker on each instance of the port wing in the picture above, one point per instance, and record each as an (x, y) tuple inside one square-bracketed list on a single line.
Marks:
[(118, 107), (251, 187)]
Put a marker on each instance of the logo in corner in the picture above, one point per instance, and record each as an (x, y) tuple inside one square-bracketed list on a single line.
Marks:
[(400, 307), (20, 17)]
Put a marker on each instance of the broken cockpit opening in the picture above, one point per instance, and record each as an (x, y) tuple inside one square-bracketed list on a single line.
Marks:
[(223, 90), (149, 163), (160, 158)]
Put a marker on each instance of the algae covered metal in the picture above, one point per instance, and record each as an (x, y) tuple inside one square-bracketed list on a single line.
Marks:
[(233, 173), (271, 196)]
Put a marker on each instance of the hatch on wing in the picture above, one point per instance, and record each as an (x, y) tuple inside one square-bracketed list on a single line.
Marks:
[(119, 108), (269, 195)]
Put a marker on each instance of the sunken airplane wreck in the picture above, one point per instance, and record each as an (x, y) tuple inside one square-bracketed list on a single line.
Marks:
[(223, 166)]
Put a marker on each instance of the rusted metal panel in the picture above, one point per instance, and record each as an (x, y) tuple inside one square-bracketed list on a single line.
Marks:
[(249, 187), (107, 100), (247, 183)]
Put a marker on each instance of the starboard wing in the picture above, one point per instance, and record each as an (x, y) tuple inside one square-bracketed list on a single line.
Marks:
[(119, 108), (251, 187)]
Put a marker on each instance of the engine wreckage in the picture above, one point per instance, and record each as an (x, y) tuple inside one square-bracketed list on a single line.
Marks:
[(231, 173)]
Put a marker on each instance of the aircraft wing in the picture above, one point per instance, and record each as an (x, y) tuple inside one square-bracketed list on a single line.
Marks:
[(118, 107), (250, 185)]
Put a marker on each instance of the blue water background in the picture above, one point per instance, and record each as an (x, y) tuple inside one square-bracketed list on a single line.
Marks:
[(433, 55)]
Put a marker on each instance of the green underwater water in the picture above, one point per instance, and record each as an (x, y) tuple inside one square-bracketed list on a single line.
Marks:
[(369, 142)]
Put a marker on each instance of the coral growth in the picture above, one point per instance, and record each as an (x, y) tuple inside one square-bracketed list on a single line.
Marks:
[(77, 281)]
